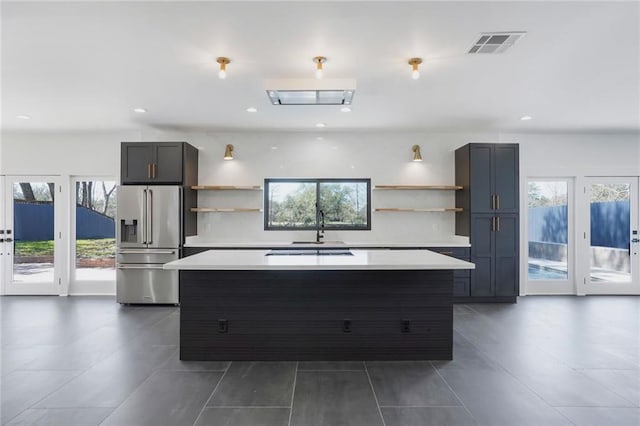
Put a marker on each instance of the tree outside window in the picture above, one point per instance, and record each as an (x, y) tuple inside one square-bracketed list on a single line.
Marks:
[(295, 204)]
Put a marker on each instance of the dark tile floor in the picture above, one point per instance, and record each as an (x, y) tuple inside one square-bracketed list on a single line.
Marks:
[(545, 361)]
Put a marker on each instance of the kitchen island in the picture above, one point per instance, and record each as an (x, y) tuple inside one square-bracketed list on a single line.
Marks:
[(319, 304)]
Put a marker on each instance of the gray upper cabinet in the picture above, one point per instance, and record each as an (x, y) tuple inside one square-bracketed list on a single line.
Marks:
[(135, 162), (492, 184), (158, 163), (505, 178), (489, 175)]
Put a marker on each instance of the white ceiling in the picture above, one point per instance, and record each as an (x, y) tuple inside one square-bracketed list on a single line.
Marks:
[(86, 65)]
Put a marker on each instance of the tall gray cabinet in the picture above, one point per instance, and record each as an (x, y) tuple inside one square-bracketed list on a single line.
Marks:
[(490, 218)]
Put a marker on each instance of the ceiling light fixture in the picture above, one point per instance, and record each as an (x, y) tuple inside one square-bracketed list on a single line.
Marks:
[(416, 153), (222, 74), (319, 60), (23, 117), (414, 62), (321, 125), (311, 91), (345, 109), (526, 118), (140, 110), (228, 152), (252, 109)]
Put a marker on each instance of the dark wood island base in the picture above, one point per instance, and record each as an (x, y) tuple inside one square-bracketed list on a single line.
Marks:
[(316, 315)]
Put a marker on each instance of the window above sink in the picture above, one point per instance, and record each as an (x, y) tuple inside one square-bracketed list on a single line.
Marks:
[(296, 204)]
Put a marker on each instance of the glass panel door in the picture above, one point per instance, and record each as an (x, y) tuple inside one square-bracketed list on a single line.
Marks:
[(95, 244), (548, 231), (31, 230), (611, 262)]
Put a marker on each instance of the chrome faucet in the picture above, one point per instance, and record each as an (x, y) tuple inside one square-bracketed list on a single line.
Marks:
[(319, 226)]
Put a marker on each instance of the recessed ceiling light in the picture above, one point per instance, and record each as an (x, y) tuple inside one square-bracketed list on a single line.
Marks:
[(23, 117), (140, 110), (320, 125), (526, 118), (319, 138), (274, 147), (345, 109), (252, 109)]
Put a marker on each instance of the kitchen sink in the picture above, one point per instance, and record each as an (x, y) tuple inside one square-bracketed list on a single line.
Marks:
[(319, 242), (303, 252)]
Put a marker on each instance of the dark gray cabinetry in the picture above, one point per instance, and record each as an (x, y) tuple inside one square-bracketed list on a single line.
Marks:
[(461, 277), (163, 163), (490, 218), (158, 163), (494, 250)]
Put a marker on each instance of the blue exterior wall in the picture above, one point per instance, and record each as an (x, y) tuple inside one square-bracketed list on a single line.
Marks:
[(34, 222), (609, 224)]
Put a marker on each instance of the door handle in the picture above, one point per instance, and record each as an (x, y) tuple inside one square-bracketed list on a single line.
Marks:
[(498, 224), (148, 171), (493, 201), (134, 251), (144, 217), (150, 218), (154, 166), (498, 207), (493, 224)]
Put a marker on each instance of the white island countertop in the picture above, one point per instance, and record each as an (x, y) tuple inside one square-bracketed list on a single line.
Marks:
[(326, 244), (360, 260)]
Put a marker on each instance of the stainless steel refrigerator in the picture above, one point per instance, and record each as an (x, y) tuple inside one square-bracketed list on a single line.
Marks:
[(149, 233)]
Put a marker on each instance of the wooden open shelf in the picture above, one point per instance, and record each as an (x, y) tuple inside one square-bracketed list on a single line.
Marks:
[(434, 209), (419, 187), (225, 188), (223, 210)]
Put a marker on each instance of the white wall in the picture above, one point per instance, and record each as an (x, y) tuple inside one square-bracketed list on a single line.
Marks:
[(383, 157), (63, 154)]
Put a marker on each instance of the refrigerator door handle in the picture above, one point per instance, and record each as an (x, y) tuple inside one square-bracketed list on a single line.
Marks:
[(150, 217), (146, 251), (144, 216), (140, 267)]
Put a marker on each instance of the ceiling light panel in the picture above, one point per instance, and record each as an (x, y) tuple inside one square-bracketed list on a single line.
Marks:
[(311, 91), (495, 42)]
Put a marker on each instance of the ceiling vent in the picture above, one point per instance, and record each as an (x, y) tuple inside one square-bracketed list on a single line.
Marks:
[(496, 42), (303, 91)]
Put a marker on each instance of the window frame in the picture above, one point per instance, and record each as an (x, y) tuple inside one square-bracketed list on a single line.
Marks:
[(317, 182)]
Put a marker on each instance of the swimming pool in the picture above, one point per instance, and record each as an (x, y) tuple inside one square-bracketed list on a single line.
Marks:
[(537, 272)]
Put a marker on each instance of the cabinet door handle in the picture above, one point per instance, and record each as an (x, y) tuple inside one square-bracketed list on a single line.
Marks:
[(148, 171), (153, 170), (493, 224), (498, 204), (498, 224), (493, 201)]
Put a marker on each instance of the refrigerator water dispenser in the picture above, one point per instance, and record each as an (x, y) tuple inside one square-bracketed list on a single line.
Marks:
[(128, 230)]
